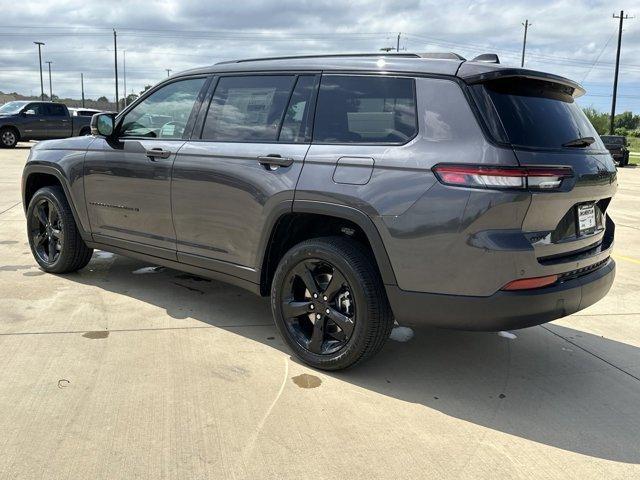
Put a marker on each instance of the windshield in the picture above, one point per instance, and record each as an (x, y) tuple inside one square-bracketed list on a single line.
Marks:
[(534, 113), (12, 107)]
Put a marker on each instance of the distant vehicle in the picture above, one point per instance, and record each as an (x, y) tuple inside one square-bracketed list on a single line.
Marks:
[(83, 112), (617, 145), (24, 120)]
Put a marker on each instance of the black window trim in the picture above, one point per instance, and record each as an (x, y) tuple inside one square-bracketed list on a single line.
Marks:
[(190, 122), (206, 104), (374, 74)]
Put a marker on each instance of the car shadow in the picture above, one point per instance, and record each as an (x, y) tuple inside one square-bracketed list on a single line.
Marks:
[(544, 385)]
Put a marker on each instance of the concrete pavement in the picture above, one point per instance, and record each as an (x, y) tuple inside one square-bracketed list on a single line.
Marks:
[(122, 371)]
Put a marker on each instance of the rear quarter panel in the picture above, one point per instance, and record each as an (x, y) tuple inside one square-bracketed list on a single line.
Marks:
[(419, 220)]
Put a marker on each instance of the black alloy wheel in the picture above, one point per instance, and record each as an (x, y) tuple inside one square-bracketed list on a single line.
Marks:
[(329, 302), (54, 238), (319, 308), (45, 227)]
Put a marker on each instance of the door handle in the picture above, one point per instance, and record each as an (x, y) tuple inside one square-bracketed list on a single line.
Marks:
[(275, 161), (158, 153)]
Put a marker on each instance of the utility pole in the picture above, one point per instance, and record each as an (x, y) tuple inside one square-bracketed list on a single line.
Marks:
[(115, 52), (398, 44), (168, 72), (40, 60), (50, 89), (82, 87), (526, 25), (124, 75), (622, 18)]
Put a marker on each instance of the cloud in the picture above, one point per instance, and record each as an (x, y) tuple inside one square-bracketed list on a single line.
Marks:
[(566, 38)]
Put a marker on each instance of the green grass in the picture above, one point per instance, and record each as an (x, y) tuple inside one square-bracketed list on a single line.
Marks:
[(634, 144)]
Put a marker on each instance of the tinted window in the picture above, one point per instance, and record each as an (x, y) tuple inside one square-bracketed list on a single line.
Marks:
[(247, 108), (296, 126), (57, 110), (164, 113), (38, 108), (535, 113), (365, 109)]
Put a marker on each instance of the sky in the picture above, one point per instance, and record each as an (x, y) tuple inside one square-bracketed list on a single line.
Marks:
[(573, 38)]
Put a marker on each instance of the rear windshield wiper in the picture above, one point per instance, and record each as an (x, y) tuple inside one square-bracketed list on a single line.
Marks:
[(581, 142)]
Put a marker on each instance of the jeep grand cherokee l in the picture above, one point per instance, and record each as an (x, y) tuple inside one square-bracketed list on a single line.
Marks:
[(353, 189)]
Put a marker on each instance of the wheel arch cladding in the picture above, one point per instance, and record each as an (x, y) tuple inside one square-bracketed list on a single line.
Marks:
[(318, 219), (37, 176)]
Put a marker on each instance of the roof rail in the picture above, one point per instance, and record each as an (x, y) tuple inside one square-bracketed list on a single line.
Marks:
[(334, 55)]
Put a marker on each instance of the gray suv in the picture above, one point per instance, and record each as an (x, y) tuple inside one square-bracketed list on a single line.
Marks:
[(353, 190)]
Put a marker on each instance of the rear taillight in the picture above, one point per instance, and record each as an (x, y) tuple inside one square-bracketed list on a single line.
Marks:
[(482, 176), (529, 283)]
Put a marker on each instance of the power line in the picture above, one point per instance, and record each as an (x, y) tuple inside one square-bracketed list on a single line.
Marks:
[(597, 58)]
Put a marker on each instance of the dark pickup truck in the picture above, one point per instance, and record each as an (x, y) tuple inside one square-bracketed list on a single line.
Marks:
[(618, 147), (23, 120)]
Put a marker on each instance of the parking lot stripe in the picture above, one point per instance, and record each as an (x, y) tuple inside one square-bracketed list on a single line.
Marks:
[(628, 259)]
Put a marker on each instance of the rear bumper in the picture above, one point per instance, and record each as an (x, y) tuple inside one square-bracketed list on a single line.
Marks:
[(503, 310)]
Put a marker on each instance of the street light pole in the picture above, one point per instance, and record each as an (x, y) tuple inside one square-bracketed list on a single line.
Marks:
[(124, 75), (82, 87), (40, 60), (50, 88), (115, 63)]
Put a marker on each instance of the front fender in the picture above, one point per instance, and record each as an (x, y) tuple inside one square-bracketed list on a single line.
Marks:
[(72, 185)]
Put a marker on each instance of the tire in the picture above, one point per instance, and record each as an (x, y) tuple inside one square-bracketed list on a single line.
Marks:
[(9, 137), (356, 319), (85, 132), (53, 235)]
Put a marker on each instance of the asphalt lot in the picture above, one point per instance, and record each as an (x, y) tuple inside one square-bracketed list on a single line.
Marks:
[(121, 371)]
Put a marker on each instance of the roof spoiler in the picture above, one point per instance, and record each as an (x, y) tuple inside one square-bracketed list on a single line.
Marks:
[(481, 74)]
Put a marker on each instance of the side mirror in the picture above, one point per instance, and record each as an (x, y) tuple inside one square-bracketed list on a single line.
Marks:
[(103, 124), (30, 112)]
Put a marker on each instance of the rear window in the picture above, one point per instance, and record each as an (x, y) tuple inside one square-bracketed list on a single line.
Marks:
[(613, 140), (361, 109), (533, 113)]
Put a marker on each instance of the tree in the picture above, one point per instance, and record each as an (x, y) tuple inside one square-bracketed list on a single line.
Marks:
[(599, 120), (103, 99), (627, 120)]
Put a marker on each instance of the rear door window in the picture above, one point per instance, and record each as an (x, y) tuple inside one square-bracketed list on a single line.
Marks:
[(248, 108), (533, 113), (57, 110), (296, 127), (365, 109)]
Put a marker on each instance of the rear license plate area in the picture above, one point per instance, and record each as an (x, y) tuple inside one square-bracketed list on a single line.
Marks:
[(586, 218)]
